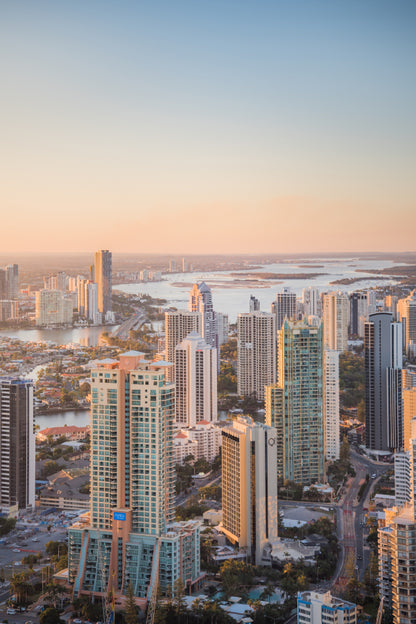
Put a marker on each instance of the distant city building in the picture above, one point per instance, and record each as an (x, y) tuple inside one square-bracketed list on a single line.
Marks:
[(383, 383), (200, 300), (406, 309), (172, 266), (284, 307), (331, 404), (311, 302), (103, 277), (56, 282), (184, 265), (256, 352), (358, 313), (249, 488), (132, 538), (195, 381), (12, 281), (222, 327), (53, 308), (315, 608), (335, 316), (17, 446), (9, 310), (254, 304), (91, 303), (390, 305), (178, 325), (294, 406)]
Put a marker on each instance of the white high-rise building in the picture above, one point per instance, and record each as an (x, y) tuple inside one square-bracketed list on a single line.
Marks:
[(196, 381), (331, 404), (249, 487), (91, 299), (222, 327), (178, 325), (53, 308), (256, 352), (336, 319), (311, 302), (200, 300)]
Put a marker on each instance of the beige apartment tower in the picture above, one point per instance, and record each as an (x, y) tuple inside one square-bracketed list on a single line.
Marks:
[(249, 487), (336, 321), (178, 325), (256, 352)]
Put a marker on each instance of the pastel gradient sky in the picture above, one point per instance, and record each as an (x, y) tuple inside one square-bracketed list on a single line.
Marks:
[(207, 126)]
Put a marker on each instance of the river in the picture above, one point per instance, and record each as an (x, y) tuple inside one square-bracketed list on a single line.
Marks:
[(85, 336), (228, 297), (231, 298), (79, 418)]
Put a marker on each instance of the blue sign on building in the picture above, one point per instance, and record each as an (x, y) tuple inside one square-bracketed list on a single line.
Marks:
[(119, 515)]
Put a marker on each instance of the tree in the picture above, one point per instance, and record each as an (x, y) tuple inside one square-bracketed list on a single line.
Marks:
[(131, 608), (49, 616), (55, 593)]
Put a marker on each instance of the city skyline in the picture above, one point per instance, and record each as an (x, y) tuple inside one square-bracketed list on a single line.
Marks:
[(290, 125)]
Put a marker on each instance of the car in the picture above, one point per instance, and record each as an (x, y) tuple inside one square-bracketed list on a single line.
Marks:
[(77, 621), (35, 539), (11, 612), (373, 476), (16, 550), (29, 622)]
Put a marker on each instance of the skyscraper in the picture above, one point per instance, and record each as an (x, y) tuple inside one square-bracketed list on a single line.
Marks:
[(249, 487), (196, 381), (407, 314), (335, 316), (200, 300), (383, 383), (53, 308), (256, 352), (132, 537), (331, 404), (358, 313), (104, 279), (294, 406), (17, 446), (12, 280), (284, 307), (311, 302), (178, 325)]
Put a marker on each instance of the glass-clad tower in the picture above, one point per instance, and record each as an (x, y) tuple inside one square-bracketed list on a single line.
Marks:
[(131, 536), (294, 406)]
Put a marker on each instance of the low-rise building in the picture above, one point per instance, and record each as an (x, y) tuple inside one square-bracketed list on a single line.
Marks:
[(70, 432), (315, 608)]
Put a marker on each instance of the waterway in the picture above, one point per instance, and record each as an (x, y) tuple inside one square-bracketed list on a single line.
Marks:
[(231, 298), (228, 296), (85, 336), (79, 418)]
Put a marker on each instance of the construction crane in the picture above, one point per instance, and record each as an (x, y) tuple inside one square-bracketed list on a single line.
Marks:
[(380, 611)]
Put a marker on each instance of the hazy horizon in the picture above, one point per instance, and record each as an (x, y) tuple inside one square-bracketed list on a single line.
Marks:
[(223, 127)]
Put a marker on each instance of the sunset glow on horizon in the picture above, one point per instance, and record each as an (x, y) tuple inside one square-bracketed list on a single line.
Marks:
[(191, 128)]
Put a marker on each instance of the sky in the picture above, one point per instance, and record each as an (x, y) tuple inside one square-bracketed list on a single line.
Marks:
[(232, 126)]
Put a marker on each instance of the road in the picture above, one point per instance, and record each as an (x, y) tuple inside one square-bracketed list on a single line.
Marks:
[(355, 555), (132, 323)]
